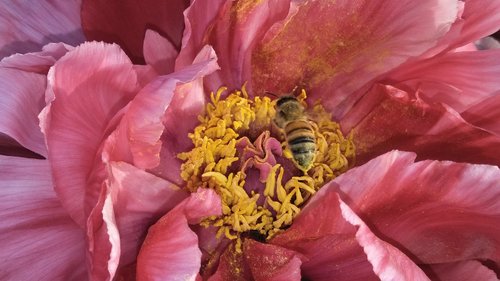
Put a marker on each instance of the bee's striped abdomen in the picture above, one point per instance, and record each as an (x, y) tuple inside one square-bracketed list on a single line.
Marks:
[(301, 142)]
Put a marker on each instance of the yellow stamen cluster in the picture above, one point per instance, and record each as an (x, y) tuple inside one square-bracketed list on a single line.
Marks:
[(213, 163)]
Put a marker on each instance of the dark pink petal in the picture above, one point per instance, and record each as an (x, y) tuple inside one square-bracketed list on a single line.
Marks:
[(27, 26), (271, 262), (149, 135), (39, 240), (460, 271), (327, 43), (87, 87), (233, 29), (139, 199), (459, 79), (38, 62), (389, 118), (21, 100), (232, 266), (434, 211), (126, 22), (170, 251), (485, 114), (159, 52)]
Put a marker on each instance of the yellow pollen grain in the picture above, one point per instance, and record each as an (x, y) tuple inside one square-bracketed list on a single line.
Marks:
[(213, 163)]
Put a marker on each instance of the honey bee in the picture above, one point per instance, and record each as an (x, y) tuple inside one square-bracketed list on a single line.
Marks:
[(299, 134)]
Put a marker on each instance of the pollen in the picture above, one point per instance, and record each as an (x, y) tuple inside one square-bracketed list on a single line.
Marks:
[(237, 151)]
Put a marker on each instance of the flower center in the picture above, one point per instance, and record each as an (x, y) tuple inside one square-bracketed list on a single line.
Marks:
[(256, 167)]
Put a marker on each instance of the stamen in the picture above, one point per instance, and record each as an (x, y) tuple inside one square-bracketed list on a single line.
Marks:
[(218, 161)]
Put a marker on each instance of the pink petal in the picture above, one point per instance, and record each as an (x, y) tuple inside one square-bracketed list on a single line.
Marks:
[(485, 114), (27, 26), (435, 211), (21, 99), (459, 79), (233, 29), (271, 262), (39, 240), (151, 122), (460, 271), (232, 266), (126, 22), (139, 199), (87, 87), (159, 52), (170, 251), (324, 45), (10, 147), (38, 62), (388, 118)]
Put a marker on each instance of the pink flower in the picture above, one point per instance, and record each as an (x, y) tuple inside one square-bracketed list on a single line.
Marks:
[(97, 143)]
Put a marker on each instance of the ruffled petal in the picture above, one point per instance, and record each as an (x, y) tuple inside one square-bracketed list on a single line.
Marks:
[(139, 199), (21, 100), (459, 79), (361, 39), (151, 123), (434, 211), (170, 251), (233, 29), (159, 52), (388, 118), (126, 22), (27, 26), (460, 271), (38, 62), (485, 114), (39, 240), (87, 87)]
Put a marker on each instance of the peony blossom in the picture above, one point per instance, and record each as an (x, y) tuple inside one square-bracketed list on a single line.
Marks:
[(158, 155)]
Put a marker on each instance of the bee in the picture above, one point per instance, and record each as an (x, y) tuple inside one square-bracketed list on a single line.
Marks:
[(299, 135)]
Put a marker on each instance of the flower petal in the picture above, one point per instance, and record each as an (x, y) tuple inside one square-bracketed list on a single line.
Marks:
[(388, 118), (361, 39), (39, 240), (271, 262), (159, 52), (485, 114), (436, 212), (87, 87), (233, 29), (459, 79), (170, 251), (27, 26), (151, 121), (126, 22), (21, 99), (460, 271), (139, 199)]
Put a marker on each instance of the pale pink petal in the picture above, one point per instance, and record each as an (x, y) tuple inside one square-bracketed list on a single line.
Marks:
[(87, 87), (126, 22), (459, 79), (21, 100), (434, 211), (467, 48), (38, 62), (103, 238), (327, 43), (389, 118), (271, 262), (26, 26), (460, 271), (39, 240), (485, 114), (151, 123), (170, 251), (139, 199), (159, 52)]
